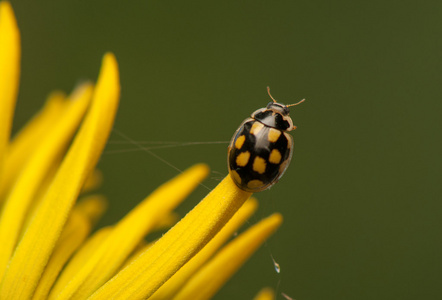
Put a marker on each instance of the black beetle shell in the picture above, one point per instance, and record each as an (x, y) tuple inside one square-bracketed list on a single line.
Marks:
[(253, 166)]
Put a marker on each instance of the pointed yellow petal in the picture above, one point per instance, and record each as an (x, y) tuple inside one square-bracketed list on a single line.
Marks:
[(33, 251), (74, 233), (170, 287), (146, 274), (265, 294), (35, 170), (128, 232), (29, 137), (215, 273), (9, 73)]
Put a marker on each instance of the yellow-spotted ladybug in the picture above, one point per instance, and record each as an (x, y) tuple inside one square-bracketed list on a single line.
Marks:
[(261, 149)]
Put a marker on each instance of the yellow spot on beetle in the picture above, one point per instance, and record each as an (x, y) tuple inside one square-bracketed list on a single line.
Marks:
[(240, 141), (259, 165), (253, 184), (275, 156), (274, 135), (256, 127), (242, 159), (235, 176)]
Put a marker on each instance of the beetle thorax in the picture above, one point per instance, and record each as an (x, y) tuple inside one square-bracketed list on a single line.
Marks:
[(275, 115)]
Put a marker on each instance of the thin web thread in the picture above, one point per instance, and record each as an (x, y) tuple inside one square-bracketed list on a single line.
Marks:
[(165, 145), (133, 142)]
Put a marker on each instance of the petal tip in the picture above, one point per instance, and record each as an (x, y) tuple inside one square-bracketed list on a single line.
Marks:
[(276, 219), (6, 9), (110, 60), (80, 89), (201, 168), (7, 16), (109, 72), (252, 201)]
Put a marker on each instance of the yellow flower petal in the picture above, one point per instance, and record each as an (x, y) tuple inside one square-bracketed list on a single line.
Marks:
[(112, 253), (92, 207), (177, 246), (142, 247), (74, 233), (78, 226), (170, 287), (78, 260), (265, 294), (35, 248), (215, 273), (39, 195), (93, 181), (167, 221), (29, 137), (35, 170), (9, 73)]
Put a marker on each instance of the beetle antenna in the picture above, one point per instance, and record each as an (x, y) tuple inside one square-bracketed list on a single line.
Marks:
[(268, 91), (296, 103)]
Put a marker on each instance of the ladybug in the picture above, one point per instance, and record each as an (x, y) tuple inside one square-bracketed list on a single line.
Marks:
[(261, 149)]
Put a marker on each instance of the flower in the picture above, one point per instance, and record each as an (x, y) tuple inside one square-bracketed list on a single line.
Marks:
[(47, 250)]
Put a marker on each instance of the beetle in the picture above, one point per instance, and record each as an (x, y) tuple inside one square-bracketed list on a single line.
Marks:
[(261, 149)]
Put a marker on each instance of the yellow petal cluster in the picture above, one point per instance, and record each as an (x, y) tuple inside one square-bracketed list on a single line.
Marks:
[(47, 250)]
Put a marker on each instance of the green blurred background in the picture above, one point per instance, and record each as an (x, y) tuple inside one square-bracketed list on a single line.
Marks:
[(362, 197)]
